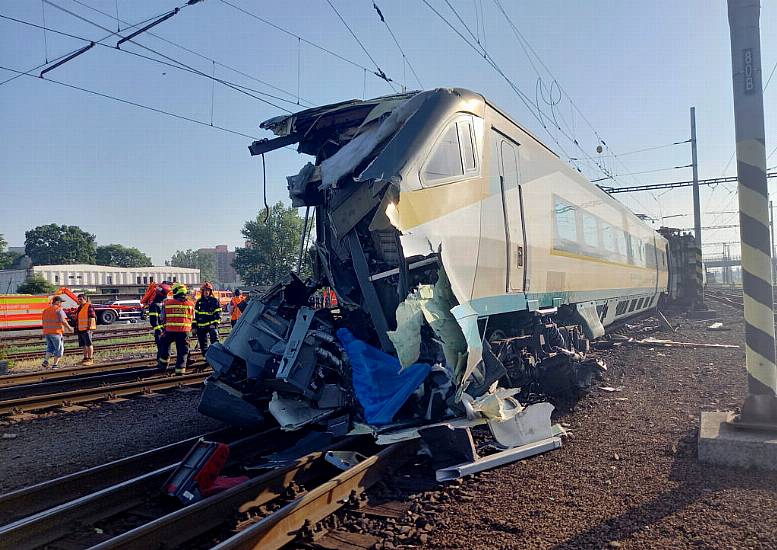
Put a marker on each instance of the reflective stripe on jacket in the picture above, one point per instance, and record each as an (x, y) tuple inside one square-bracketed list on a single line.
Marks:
[(52, 322), (86, 318), (236, 310), (207, 312), (179, 315)]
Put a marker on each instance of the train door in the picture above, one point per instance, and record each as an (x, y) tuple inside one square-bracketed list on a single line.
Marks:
[(513, 214)]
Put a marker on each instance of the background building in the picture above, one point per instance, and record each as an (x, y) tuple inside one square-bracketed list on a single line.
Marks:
[(99, 279), (223, 259)]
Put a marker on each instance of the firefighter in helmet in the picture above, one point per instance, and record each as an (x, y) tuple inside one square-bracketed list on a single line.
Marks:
[(207, 317), (177, 317)]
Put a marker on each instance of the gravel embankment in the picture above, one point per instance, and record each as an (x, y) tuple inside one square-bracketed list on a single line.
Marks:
[(627, 477)]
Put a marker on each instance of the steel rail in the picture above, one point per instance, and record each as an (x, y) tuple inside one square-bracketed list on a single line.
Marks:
[(40, 402), (285, 525), (53, 523), (97, 336), (115, 376), (69, 372), (24, 355), (47, 494)]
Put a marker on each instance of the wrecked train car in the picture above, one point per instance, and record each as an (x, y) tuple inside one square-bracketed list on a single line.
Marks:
[(471, 267)]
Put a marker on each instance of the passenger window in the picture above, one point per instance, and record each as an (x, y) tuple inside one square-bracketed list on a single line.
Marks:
[(566, 226), (445, 161), (467, 139), (608, 239), (590, 231)]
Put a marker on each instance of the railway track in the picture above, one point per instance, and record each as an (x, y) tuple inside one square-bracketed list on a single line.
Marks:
[(38, 353), (71, 347), (104, 334), (120, 505), (96, 393), (102, 376)]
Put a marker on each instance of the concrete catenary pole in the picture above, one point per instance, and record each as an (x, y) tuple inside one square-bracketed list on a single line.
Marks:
[(699, 294), (760, 406), (771, 227)]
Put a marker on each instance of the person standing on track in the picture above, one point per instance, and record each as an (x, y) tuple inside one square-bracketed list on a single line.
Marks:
[(207, 317), (155, 312), (54, 326), (86, 323), (177, 318), (234, 308)]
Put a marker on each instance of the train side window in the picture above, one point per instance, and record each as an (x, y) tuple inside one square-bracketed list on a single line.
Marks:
[(445, 160), (590, 230), (467, 139), (566, 225), (608, 238), (620, 242), (650, 255)]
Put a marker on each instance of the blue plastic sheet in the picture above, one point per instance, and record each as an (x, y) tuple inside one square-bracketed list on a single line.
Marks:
[(381, 386)]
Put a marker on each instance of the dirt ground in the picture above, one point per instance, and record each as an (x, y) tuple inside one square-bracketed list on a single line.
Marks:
[(59, 443), (627, 476)]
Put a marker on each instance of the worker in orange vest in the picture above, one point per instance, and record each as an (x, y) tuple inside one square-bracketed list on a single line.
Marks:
[(177, 317), (86, 322), (234, 309), (54, 326)]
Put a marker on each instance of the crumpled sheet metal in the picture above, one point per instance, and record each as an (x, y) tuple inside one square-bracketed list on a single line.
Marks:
[(524, 425), (497, 405), (431, 303), (293, 414), (370, 135)]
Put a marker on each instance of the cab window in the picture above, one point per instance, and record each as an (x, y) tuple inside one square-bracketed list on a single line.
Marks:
[(454, 155)]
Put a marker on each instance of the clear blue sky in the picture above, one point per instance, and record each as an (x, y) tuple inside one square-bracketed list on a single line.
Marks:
[(632, 68)]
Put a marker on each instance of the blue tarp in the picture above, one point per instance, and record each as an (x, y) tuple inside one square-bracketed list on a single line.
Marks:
[(380, 385)]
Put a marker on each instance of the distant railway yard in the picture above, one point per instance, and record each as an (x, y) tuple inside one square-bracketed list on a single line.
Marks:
[(86, 458)]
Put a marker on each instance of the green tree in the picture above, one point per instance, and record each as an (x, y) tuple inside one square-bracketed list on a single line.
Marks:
[(272, 248), (36, 284), (6, 258), (121, 256), (196, 259), (59, 244)]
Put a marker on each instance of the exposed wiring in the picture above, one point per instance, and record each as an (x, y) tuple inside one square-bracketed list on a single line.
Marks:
[(264, 190), (404, 57)]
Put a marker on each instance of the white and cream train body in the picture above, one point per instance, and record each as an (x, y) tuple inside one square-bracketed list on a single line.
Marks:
[(517, 228), (453, 239)]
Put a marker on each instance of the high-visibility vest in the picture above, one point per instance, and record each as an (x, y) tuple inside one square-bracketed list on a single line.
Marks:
[(179, 315), (236, 310), (84, 321), (52, 324)]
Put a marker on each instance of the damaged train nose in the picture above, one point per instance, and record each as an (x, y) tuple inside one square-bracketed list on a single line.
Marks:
[(420, 231)]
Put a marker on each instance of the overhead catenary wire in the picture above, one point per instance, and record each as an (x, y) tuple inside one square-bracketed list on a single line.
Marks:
[(380, 72), (393, 36), (133, 103), (209, 59), (244, 89), (645, 172), (305, 40), (64, 55), (645, 149), (241, 89), (596, 133)]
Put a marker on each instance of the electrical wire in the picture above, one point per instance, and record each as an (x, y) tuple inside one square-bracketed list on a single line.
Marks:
[(404, 57), (305, 40), (205, 57), (129, 102), (645, 172), (241, 89), (380, 71), (161, 62), (627, 153), (68, 53)]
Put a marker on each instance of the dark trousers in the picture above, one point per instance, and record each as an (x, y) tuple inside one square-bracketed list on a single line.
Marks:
[(232, 322), (181, 340), (203, 334)]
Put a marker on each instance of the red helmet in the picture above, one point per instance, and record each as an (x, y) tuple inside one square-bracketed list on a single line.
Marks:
[(206, 286)]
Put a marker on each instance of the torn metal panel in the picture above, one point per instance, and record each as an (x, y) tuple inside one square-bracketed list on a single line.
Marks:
[(498, 459), (293, 414), (525, 426)]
